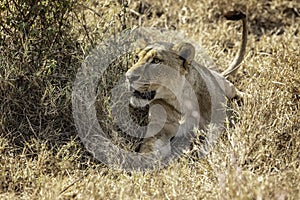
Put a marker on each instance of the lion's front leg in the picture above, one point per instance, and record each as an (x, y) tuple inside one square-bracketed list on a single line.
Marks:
[(156, 139), (159, 145), (162, 126)]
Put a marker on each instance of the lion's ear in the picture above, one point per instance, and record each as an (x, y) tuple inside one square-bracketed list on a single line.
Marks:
[(186, 51)]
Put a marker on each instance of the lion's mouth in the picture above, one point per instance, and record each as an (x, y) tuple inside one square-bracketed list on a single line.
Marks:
[(148, 95)]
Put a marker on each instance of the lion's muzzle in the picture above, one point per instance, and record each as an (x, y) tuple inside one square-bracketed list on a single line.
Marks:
[(138, 88), (132, 77)]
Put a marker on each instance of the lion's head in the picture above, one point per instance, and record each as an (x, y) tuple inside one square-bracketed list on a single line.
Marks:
[(159, 72)]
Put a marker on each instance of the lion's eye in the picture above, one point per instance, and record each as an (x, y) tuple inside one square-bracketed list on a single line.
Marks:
[(155, 61)]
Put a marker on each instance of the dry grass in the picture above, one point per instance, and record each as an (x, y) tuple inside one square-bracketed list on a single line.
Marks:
[(40, 52)]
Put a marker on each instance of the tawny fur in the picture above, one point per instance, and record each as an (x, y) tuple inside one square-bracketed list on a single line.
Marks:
[(150, 74)]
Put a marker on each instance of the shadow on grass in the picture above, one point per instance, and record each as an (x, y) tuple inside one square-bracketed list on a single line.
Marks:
[(39, 60)]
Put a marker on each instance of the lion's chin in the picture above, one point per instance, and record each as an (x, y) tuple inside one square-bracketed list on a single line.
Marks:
[(139, 102)]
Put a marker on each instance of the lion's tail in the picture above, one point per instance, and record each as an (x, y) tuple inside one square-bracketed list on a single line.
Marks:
[(233, 67)]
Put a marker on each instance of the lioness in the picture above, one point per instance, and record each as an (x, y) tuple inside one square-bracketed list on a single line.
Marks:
[(162, 76)]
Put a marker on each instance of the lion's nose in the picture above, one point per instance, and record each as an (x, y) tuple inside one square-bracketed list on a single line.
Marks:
[(131, 77)]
